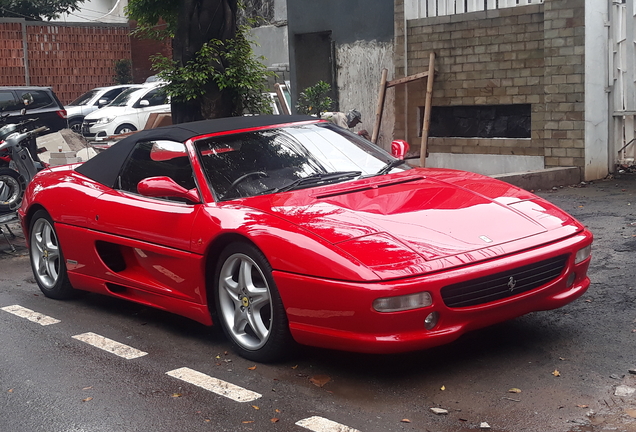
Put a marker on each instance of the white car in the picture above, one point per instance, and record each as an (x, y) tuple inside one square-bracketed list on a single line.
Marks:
[(91, 101), (127, 113)]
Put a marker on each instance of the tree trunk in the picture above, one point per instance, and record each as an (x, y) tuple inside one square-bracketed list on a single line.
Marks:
[(200, 21)]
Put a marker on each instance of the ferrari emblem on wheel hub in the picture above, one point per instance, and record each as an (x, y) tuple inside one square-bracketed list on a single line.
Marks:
[(246, 301)]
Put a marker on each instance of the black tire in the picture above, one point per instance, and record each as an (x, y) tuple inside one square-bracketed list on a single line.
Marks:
[(251, 313), (12, 187), (75, 125), (47, 260), (125, 128)]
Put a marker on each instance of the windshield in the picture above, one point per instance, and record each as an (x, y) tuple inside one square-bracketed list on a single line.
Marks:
[(84, 99), (127, 96), (275, 160)]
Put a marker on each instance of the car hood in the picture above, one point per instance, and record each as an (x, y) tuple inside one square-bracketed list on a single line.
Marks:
[(412, 216), (107, 111)]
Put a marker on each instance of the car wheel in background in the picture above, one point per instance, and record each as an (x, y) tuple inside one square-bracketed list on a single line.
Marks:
[(47, 261), (248, 305), (12, 186), (125, 128), (75, 125)]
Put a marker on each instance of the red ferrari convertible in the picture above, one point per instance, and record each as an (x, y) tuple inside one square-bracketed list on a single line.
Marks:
[(285, 229)]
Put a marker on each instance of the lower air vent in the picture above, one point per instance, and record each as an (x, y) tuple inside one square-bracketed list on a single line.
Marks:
[(503, 285)]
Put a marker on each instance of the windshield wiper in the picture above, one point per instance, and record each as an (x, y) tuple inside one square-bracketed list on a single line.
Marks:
[(318, 180), (389, 166)]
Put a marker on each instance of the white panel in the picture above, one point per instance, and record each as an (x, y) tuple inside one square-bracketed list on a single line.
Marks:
[(492, 4), (432, 8), (460, 6), (475, 5), (411, 9), (443, 7)]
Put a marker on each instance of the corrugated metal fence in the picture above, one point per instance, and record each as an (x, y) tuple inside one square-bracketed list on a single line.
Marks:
[(71, 58), (431, 8)]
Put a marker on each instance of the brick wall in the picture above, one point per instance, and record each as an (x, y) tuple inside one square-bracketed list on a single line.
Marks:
[(69, 58), (519, 55)]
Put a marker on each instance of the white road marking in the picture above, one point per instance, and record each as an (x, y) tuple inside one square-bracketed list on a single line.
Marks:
[(215, 385), (30, 315), (110, 345), (320, 424)]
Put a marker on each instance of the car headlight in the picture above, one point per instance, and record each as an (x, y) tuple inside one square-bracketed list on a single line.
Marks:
[(105, 120), (583, 254), (402, 303)]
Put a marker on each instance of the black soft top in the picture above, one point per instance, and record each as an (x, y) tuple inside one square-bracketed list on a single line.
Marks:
[(105, 166)]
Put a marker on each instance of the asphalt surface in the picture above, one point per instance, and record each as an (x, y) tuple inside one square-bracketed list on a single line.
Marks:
[(50, 381)]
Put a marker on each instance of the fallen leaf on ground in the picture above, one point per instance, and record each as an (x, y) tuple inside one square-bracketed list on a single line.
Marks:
[(295, 367), (87, 388), (405, 421), (442, 388), (274, 420), (87, 399), (583, 406), (562, 358), (631, 412), (176, 395), (277, 410), (255, 407), (247, 421), (319, 380), (556, 373), (251, 368), (10, 390), (514, 390)]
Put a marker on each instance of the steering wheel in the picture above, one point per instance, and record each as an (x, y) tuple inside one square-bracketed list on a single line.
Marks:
[(242, 178)]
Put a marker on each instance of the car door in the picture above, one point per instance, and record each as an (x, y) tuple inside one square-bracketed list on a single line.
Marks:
[(157, 102), (146, 241)]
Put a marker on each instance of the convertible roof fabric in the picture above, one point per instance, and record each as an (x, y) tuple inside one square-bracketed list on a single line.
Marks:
[(104, 167)]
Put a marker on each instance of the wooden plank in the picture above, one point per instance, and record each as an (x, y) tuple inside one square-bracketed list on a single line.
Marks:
[(407, 79), (427, 110), (380, 108)]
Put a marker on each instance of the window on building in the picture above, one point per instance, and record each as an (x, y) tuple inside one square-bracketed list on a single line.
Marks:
[(479, 121)]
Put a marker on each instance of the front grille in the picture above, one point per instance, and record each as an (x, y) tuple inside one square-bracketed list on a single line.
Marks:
[(503, 285), (86, 126)]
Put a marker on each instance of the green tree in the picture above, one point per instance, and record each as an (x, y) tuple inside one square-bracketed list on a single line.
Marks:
[(314, 99), (37, 10), (213, 72)]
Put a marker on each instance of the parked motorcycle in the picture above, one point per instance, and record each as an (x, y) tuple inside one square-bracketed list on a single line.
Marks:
[(19, 162)]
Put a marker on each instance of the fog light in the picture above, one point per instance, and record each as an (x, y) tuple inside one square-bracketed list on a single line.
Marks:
[(570, 280), (583, 254), (402, 303), (431, 321)]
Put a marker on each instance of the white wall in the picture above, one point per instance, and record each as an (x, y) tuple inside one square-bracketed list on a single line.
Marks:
[(360, 67), (597, 111)]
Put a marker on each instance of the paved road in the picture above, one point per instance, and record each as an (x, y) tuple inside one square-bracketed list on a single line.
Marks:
[(51, 380)]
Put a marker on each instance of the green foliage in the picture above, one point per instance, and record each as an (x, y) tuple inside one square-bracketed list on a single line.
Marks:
[(123, 71), (314, 99), (148, 14), (229, 64), (37, 10)]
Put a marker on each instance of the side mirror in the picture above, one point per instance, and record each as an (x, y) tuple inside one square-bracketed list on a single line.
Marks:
[(159, 187), (27, 99), (144, 103), (102, 102), (399, 149)]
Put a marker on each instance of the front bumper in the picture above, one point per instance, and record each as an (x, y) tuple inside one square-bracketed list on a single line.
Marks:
[(339, 315)]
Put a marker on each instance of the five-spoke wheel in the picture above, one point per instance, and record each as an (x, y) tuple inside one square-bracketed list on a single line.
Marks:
[(248, 305), (47, 261)]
